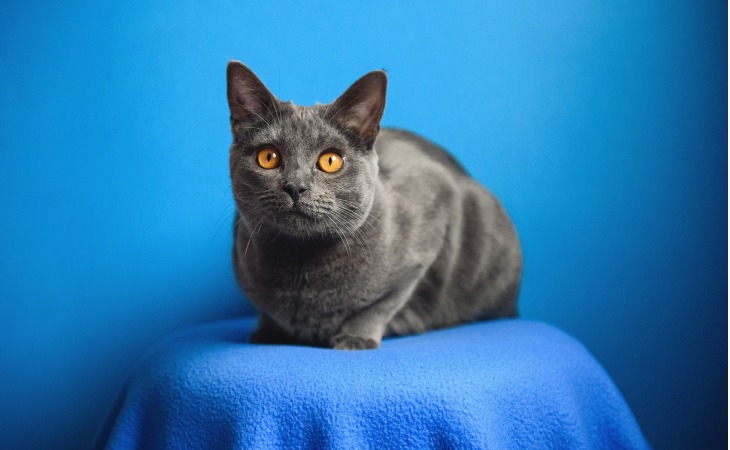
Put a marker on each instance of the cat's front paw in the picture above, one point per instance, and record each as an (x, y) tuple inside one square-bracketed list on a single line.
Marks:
[(347, 342)]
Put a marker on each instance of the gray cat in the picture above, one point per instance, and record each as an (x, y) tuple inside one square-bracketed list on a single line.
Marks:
[(345, 233)]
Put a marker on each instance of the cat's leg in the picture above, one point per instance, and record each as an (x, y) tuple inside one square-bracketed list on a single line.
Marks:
[(269, 332), (364, 329)]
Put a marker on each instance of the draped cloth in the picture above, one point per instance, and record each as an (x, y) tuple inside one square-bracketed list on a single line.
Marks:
[(500, 384)]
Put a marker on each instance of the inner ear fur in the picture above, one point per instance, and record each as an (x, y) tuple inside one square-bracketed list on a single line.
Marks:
[(361, 107)]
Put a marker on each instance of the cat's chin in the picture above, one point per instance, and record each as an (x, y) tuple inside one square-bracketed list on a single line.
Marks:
[(298, 223)]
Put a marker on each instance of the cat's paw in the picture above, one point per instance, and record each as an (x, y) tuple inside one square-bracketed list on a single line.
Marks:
[(347, 342)]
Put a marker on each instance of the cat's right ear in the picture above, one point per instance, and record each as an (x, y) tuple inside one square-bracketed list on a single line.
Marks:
[(248, 99)]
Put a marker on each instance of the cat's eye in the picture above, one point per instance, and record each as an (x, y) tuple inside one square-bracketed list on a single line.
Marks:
[(329, 162), (268, 158)]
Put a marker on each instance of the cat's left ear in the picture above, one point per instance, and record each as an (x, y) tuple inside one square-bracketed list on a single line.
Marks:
[(361, 107)]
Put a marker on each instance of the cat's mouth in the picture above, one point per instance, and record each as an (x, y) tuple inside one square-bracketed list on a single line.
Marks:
[(299, 219), (298, 212), (300, 209)]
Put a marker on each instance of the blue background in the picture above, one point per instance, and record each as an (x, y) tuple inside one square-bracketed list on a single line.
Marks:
[(601, 125)]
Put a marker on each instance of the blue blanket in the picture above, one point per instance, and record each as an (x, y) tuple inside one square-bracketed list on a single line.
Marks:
[(500, 384)]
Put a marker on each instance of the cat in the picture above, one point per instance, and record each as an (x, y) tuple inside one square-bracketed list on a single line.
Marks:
[(346, 233)]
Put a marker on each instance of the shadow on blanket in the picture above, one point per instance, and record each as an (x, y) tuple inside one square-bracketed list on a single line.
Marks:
[(500, 384)]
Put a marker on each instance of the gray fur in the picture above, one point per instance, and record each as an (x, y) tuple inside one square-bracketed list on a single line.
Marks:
[(400, 241)]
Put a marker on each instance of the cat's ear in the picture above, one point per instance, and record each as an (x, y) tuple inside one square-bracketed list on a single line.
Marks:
[(361, 107), (248, 99)]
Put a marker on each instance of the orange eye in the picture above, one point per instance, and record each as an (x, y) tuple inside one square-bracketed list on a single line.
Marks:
[(329, 162), (268, 158)]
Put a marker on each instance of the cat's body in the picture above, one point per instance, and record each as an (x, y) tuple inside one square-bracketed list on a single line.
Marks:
[(399, 240)]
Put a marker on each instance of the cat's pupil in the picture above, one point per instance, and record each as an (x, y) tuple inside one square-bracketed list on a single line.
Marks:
[(330, 160), (268, 157)]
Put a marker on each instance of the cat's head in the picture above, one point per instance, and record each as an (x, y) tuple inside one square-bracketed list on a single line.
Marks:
[(303, 171)]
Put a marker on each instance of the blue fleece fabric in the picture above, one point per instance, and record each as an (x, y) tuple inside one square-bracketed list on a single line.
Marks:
[(499, 384)]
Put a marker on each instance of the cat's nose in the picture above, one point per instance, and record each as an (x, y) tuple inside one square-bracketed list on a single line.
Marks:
[(294, 190)]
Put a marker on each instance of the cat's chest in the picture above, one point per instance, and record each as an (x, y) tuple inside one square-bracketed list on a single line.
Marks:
[(322, 281)]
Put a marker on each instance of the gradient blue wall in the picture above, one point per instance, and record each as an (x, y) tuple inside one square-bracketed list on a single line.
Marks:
[(601, 125)]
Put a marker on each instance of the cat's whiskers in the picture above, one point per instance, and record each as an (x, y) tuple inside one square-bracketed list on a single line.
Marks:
[(366, 224), (258, 227), (342, 236), (358, 232), (357, 235), (357, 206), (355, 216), (345, 218), (224, 216), (274, 214), (252, 214), (275, 237)]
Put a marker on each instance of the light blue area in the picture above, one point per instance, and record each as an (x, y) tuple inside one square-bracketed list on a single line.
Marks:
[(601, 125)]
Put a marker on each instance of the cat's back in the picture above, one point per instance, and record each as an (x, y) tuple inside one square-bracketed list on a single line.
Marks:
[(400, 150), (449, 220)]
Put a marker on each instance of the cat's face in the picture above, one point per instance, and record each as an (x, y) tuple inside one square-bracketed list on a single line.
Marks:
[(303, 171), (299, 174)]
